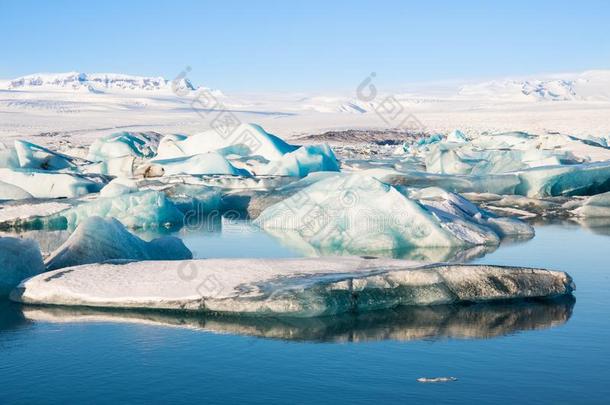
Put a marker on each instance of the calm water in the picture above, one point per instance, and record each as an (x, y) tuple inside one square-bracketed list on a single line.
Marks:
[(536, 352)]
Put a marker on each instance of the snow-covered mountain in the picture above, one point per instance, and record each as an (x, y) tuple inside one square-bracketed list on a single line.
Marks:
[(590, 86), (95, 82)]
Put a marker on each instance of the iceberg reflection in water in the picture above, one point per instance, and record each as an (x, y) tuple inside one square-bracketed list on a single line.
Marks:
[(478, 321)]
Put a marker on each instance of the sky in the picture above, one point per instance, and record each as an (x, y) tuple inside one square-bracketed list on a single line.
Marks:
[(258, 46)]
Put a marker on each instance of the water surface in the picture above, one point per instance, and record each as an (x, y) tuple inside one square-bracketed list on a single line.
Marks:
[(531, 352)]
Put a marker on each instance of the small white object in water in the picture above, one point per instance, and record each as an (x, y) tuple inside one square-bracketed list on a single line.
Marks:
[(436, 379)]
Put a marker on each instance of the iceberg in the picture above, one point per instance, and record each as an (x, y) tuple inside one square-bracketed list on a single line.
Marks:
[(12, 192), (32, 156), (124, 144), (289, 287), (456, 136), (303, 161), (143, 209), (36, 214), (119, 186), (19, 259), (597, 206), (200, 164), (8, 157), (360, 214), (243, 140), (567, 180), (43, 184), (97, 240)]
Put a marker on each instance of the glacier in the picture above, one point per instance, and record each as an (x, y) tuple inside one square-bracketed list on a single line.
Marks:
[(97, 240), (289, 287), (19, 259)]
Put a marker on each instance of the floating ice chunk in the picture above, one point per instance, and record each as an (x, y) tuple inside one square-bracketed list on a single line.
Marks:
[(567, 180), (142, 209), (244, 140), (97, 240), (126, 166), (444, 203), (453, 158), (436, 379), (123, 144), (195, 200), (457, 136), (34, 214), (42, 184), (19, 259), (32, 156), (597, 206), (12, 192), (301, 162), (203, 163), (8, 157), (360, 214), (289, 287), (502, 184), (119, 186)]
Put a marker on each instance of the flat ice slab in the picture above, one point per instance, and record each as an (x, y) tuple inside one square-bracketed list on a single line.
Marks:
[(291, 287)]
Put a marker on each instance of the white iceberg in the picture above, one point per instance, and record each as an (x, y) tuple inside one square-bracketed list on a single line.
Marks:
[(567, 180), (43, 184), (200, 164), (12, 192), (32, 156), (289, 287), (360, 214), (242, 140), (19, 259), (597, 206), (247, 147), (143, 209), (303, 161), (124, 144), (119, 186), (97, 240)]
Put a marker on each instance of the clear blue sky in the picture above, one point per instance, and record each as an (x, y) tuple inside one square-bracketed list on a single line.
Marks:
[(304, 46)]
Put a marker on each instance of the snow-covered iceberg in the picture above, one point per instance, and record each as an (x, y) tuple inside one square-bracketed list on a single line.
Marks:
[(289, 287), (360, 214), (97, 240), (19, 259)]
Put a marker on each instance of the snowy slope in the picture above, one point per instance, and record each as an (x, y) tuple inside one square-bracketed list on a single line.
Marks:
[(94, 82), (73, 109), (590, 85)]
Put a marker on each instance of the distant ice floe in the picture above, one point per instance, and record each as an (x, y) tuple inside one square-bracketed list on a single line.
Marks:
[(287, 287)]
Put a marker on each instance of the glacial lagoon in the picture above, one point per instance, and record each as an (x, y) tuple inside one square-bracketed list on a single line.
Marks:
[(501, 352)]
